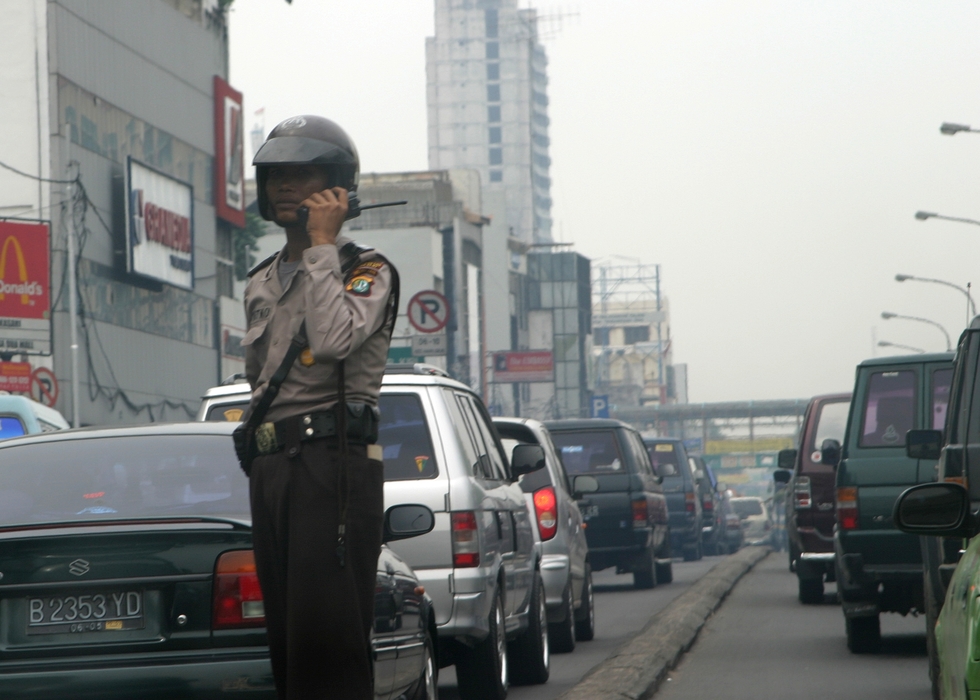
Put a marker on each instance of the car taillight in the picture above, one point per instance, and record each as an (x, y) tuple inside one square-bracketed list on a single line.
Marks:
[(466, 544), (641, 515), (708, 504), (237, 595), (546, 510), (847, 507), (689, 501), (804, 497)]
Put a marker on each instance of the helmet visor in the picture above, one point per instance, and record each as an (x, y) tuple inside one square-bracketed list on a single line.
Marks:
[(298, 150)]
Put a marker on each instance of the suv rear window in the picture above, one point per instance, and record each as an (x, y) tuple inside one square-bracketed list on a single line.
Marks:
[(404, 435), (665, 460), (941, 380), (889, 409), (589, 451), (831, 424), (227, 412)]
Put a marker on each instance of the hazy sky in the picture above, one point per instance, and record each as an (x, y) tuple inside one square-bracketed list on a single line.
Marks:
[(769, 155)]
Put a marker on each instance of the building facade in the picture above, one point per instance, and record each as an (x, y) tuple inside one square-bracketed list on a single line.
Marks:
[(488, 106), (110, 113)]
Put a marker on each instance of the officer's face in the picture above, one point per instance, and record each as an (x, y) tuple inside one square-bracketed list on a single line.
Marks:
[(288, 185)]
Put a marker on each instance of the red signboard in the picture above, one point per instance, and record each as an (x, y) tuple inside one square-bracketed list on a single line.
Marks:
[(15, 377), (229, 154), (25, 288), (524, 366)]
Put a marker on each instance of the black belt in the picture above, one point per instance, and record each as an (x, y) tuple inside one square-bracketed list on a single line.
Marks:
[(362, 428)]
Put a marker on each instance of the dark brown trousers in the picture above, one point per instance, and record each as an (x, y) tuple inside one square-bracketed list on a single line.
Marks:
[(319, 615)]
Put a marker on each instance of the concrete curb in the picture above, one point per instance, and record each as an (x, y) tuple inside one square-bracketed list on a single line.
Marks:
[(637, 668)]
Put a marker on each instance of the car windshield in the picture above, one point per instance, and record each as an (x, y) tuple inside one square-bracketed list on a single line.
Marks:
[(589, 451), (114, 477), (747, 506)]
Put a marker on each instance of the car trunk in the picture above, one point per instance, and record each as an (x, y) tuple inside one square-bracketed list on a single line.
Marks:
[(675, 491), (95, 587)]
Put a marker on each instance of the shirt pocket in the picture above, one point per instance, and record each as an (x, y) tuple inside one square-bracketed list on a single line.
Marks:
[(254, 334)]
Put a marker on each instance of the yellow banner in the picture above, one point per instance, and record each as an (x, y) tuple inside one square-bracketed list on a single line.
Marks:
[(774, 444)]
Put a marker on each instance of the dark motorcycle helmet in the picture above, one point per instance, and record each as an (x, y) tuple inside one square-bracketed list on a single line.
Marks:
[(304, 140)]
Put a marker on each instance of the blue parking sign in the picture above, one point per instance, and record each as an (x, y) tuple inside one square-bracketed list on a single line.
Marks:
[(600, 406)]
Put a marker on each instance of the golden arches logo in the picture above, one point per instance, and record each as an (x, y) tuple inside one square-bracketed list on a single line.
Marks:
[(21, 266)]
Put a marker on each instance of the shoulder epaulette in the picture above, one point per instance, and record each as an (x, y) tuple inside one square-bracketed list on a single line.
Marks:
[(265, 263), (350, 254)]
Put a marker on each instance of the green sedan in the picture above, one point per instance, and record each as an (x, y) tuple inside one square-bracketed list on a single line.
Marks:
[(126, 571), (944, 510)]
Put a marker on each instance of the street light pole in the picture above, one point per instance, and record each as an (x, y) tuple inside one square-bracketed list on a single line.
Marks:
[(950, 129), (887, 315), (971, 308), (886, 344), (923, 215)]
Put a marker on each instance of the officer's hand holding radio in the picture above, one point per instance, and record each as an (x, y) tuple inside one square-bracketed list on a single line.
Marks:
[(326, 213)]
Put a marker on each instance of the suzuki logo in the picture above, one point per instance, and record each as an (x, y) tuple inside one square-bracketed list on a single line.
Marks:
[(79, 567)]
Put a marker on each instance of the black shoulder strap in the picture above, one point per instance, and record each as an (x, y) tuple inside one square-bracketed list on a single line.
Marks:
[(265, 263), (350, 256), (277, 378)]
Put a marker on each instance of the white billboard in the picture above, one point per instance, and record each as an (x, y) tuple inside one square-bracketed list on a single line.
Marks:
[(160, 222)]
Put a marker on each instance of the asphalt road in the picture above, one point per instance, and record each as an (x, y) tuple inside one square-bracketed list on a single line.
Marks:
[(621, 612), (762, 643)]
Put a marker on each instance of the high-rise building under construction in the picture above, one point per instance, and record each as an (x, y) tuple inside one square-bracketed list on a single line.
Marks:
[(488, 105)]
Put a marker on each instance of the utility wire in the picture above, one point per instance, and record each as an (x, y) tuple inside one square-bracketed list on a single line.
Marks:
[(35, 177)]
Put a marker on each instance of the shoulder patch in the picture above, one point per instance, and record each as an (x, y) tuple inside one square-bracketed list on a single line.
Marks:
[(265, 263), (361, 285)]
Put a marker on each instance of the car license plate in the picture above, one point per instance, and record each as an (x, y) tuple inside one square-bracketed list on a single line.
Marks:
[(590, 511), (91, 612)]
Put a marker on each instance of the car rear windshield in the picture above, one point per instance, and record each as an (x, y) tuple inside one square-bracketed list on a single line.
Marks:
[(589, 451), (747, 507), (404, 435), (227, 411), (118, 477), (665, 460), (10, 426), (941, 380), (889, 409), (831, 423)]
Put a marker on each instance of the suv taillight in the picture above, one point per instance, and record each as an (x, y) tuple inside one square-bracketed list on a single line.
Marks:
[(847, 507), (546, 510), (237, 595), (641, 515), (689, 501), (466, 544), (708, 503), (804, 497)]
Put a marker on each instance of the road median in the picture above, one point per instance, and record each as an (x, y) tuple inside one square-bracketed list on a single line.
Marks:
[(637, 668)]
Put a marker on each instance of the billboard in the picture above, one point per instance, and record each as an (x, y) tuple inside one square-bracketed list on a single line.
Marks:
[(160, 225), (524, 366), (25, 287), (229, 154)]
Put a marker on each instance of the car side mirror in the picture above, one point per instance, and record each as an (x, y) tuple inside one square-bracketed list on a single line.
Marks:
[(830, 452), (407, 520), (659, 479), (699, 475), (584, 484), (924, 444), (526, 459), (938, 509), (782, 476), (786, 460)]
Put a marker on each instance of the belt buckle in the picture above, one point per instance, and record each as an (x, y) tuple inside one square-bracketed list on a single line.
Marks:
[(265, 438)]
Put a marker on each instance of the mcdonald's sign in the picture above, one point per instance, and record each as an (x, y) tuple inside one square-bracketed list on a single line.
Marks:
[(25, 287)]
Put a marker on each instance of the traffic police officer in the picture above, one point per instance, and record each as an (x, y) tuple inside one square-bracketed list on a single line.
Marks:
[(317, 498)]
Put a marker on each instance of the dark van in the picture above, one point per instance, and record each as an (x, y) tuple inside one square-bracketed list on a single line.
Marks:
[(670, 461), (810, 507), (624, 506), (878, 567)]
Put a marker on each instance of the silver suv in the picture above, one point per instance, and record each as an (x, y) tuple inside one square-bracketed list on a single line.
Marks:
[(479, 564), (565, 567)]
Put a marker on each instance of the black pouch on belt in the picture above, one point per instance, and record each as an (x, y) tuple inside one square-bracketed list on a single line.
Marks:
[(244, 435)]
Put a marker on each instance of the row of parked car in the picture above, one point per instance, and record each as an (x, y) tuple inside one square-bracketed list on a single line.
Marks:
[(603, 498), (882, 499), (125, 552)]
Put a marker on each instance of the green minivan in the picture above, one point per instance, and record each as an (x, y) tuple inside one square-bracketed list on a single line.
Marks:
[(878, 567)]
